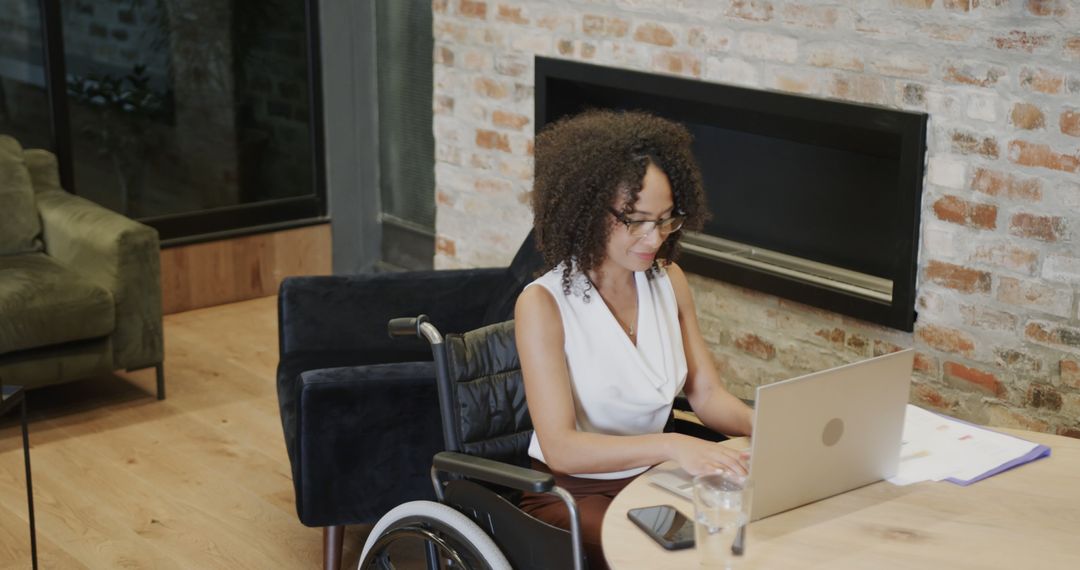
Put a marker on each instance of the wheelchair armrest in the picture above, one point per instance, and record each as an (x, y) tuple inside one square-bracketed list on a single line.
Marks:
[(512, 476)]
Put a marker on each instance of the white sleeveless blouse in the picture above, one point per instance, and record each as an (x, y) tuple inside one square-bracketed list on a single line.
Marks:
[(619, 388)]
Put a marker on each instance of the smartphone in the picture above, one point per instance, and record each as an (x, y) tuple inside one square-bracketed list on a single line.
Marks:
[(666, 525)]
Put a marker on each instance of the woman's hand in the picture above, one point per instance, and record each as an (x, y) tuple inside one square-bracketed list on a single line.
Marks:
[(698, 456)]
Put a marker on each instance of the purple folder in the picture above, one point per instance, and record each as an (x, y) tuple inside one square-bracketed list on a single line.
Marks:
[(1037, 452)]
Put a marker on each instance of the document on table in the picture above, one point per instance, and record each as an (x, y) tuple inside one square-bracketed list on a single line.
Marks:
[(937, 448)]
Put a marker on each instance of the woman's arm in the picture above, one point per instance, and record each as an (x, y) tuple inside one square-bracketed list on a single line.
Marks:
[(539, 333), (714, 405)]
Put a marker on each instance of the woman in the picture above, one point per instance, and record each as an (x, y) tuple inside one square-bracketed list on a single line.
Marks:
[(608, 336)]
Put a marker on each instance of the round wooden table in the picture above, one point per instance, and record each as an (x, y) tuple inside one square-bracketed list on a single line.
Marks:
[(1028, 517)]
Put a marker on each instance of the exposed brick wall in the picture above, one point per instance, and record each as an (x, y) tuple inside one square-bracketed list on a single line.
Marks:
[(998, 335)]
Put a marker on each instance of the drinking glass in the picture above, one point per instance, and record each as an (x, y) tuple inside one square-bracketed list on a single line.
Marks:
[(721, 509)]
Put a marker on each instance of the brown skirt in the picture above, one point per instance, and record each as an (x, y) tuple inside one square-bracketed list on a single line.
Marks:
[(593, 497)]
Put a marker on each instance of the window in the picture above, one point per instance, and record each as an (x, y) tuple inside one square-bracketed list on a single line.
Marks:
[(196, 117), (24, 101)]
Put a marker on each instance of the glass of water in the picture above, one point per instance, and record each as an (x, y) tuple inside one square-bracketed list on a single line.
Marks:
[(721, 509)]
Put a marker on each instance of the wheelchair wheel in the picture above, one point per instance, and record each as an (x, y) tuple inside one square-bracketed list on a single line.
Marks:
[(454, 538)]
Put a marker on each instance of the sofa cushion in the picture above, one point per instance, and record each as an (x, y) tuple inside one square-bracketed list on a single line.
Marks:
[(43, 303), (43, 168), (20, 227)]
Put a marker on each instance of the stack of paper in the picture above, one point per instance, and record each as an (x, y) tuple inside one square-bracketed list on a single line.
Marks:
[(937, 448)]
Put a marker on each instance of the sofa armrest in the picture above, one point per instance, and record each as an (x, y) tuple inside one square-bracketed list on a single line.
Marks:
[(360, 439), (117, 253), (341, 313)]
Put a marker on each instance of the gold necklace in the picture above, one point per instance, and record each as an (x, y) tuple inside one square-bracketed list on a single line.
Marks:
[(629, 329)]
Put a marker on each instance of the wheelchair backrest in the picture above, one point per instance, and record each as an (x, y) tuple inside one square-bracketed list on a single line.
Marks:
[(488, 394)]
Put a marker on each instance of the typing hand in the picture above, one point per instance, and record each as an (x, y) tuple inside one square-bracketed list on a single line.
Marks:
[(697, 456)]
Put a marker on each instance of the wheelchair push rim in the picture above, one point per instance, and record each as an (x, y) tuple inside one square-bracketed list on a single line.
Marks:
[(449, 535)]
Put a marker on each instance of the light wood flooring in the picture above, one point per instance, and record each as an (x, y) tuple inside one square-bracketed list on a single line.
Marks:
[(199, 480)]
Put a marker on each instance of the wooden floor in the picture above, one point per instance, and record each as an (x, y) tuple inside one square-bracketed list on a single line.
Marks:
[(199, 480)]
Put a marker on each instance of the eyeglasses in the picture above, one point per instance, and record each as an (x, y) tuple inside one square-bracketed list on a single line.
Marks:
[(642, 228)]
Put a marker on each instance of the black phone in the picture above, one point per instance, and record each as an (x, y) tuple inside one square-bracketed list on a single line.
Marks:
[(665, 524)]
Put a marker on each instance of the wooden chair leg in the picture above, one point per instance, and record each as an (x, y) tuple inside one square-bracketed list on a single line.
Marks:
[(333, 540)]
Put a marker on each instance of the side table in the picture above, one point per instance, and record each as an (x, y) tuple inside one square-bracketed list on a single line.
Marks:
[(11, 396)]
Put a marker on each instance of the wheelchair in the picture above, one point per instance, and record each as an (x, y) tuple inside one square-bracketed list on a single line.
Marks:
[(486, 430)]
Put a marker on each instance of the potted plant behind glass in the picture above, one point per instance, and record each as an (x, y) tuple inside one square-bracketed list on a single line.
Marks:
[(124, 110)]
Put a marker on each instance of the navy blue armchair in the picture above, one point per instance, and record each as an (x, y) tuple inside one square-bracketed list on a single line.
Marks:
[(359, 410)]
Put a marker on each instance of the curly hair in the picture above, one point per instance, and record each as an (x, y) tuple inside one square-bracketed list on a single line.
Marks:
[(582, 163)]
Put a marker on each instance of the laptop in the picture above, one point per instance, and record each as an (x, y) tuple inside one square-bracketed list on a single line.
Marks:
[(822, 434)]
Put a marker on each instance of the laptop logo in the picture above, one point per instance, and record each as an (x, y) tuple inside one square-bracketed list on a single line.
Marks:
[(833, 431)]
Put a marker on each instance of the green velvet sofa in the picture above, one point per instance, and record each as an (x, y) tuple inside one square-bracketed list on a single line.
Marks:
[(80, 285)]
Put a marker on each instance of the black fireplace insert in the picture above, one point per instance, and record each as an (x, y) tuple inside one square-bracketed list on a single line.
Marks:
[(813, 200)]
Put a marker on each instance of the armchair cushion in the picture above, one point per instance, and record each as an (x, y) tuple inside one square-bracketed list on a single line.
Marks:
[(44, 303), (43, 168), (20, 227)]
